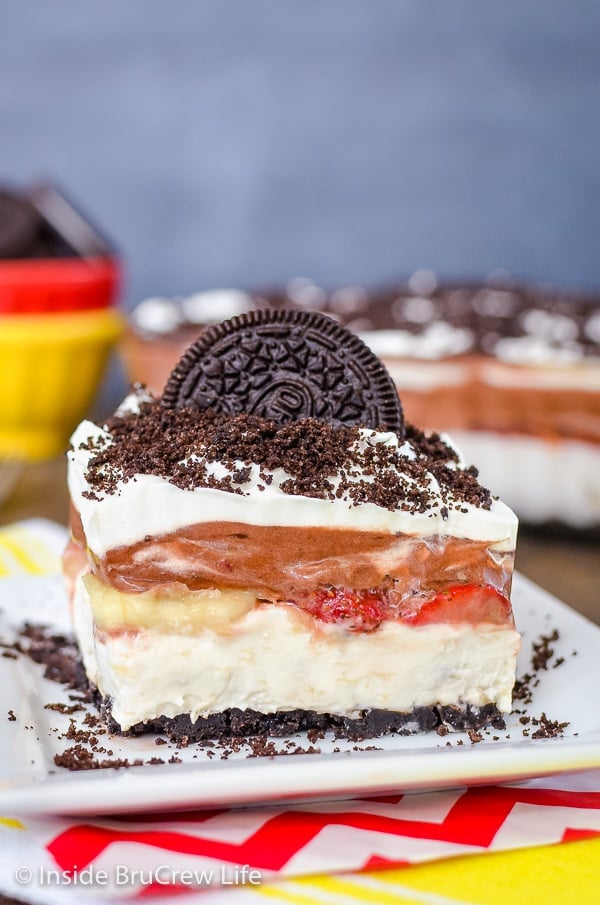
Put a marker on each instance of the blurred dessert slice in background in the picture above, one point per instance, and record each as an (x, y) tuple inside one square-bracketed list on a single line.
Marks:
[(511, 370)]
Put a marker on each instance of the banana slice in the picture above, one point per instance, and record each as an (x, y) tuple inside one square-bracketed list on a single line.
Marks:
[(170, 608)]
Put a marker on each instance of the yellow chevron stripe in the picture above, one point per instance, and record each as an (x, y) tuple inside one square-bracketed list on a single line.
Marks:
[(12, 822), (368, 888), (355, 892), (284, 892), (20, 556), (339, 891), (29, 553), (371, 888), (569, 874)]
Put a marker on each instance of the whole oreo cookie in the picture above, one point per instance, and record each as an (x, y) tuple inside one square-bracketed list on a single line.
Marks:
[(284, 366), (19, 223)]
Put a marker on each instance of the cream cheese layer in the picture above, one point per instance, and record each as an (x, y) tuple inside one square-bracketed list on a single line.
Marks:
[(273, 661)]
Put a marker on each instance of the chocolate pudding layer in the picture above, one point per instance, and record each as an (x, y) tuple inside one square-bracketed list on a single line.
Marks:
[(288, 563)]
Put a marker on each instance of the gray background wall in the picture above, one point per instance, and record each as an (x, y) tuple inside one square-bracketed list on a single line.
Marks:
[(236, 142), (233, 142)]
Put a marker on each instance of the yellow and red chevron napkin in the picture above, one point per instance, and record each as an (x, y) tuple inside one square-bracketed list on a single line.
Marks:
[(483, 845)]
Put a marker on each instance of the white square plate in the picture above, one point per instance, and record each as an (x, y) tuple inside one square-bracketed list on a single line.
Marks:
[(30, 782)]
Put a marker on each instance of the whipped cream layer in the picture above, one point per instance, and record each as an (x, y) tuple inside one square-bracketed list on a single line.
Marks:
[(273, 661), (149, 504)]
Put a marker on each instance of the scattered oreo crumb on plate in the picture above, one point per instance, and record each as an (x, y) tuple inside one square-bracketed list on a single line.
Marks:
[(64, 708), (543, 651), (548, 728)]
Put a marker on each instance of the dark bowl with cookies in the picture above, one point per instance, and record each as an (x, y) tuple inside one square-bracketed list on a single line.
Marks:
[(59, 282)]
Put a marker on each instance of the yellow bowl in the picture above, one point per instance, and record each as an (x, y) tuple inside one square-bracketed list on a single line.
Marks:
[(50, 368)]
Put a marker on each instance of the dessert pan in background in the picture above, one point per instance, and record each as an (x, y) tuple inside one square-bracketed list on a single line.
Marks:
[(512, 371)]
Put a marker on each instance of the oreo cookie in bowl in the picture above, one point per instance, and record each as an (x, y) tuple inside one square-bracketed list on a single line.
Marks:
[(510, 369), (59, 283), (268, 547)]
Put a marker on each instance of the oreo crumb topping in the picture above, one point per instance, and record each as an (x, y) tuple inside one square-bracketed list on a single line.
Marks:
[(323, 461)]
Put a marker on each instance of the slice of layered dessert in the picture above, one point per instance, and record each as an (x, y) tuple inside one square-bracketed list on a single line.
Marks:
[(269, 548)]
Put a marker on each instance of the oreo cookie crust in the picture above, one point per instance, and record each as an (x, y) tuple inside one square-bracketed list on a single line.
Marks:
[(286, 366), (236, 723)]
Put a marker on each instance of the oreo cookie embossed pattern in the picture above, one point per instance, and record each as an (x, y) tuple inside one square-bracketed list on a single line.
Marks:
[(284, 366)]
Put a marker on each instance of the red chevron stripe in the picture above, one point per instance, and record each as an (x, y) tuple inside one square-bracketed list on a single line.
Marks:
[(473, 820), (376, 862), (571, 835)]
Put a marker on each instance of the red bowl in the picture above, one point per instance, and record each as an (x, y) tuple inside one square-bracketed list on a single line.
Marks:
[(47, 285)]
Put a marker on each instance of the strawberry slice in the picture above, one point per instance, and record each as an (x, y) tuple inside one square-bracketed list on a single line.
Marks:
[(474, 603), (358, 611)]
